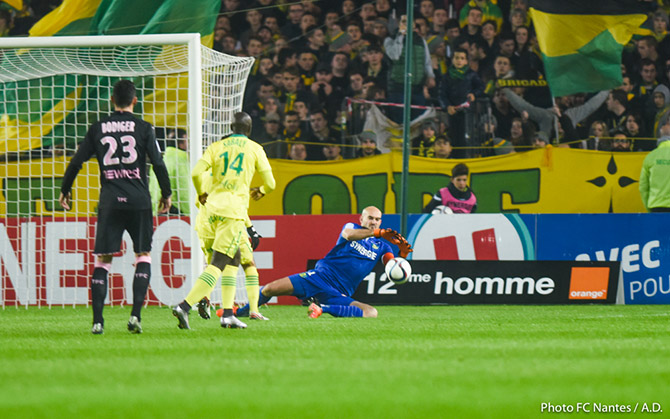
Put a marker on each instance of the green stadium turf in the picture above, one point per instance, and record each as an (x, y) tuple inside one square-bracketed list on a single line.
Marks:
[(411, 362)]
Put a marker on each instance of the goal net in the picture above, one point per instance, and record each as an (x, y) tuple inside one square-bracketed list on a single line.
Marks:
[(51, 91)]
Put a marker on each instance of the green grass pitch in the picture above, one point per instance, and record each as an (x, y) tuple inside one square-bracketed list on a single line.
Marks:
[(411, 362)]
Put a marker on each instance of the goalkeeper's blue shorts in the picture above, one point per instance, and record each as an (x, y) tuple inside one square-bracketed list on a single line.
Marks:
[(312, 284)]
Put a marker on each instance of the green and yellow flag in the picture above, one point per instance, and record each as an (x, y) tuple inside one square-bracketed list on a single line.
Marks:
[(582, 40), (52, 110)]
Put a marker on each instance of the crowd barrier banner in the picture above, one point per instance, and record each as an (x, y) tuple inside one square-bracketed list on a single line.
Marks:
[(50, 261), (641, 242), (496, 282), (551, 180)]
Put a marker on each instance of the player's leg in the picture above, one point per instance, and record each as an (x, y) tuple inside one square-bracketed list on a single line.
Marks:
[(103, 264), (206, 241), (282, 286), (228, 233), (339, 306), (108, 235), (140, 227), (250, 280)]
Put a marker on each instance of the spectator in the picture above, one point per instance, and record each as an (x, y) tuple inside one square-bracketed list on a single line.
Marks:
[(320, 134), (517, 18), (540, 140), (254, 20), (489, 36), (316, 42), (642, 91), (661, 99), (655, 175), (291, 29), (596, 132), (459, 85), (298, 152), (340, 68), (381, 28), (635, 130), (442, 147), (495, 146), (271, 22), (383, 8), (439, 22), (355, 32), (376, 66), (264, 89), (332, 152), (503, 112), (324, 91), (427, 9), (421, 69), (293, 90), (271, 137), (368, 144), (620, 142), (291, 134), (487, 11), (507, 45), (306, 66), (473, 27), (367, 10), (520, 134), (303, 113), (616, 107), (423, 145), (457, 196), (267, 38)]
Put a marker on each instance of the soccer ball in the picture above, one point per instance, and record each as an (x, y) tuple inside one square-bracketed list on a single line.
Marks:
[(398, 270), (442, 209)]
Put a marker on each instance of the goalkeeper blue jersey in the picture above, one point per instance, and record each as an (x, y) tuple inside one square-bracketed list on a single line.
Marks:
[(350, 261)]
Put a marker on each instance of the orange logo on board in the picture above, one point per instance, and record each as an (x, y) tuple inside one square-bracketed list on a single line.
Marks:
[(588, 283)]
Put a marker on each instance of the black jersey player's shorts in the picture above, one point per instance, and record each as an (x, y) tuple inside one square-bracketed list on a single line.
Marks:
[(113, 222)]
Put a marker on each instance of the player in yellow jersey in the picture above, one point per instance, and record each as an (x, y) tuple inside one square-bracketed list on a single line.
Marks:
[(207, 236), (233, 162)]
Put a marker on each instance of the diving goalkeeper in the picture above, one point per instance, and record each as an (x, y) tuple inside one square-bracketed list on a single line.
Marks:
[(335, 278)]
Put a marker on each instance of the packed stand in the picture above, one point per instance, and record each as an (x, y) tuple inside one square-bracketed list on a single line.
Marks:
[(322, 66)]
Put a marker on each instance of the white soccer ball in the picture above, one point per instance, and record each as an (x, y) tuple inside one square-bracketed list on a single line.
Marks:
[(398, 270), (442, 209)]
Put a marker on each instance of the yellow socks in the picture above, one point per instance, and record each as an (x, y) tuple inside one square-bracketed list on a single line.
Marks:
[(228, 283), (251, 282), (204, 285)]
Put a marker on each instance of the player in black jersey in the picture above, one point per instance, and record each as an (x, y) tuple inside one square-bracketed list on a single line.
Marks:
[(121, 143)]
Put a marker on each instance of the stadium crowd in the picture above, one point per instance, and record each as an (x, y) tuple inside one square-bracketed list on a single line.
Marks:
[(320, 66)]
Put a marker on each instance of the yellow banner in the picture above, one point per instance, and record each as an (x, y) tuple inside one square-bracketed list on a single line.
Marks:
[(551, 180)]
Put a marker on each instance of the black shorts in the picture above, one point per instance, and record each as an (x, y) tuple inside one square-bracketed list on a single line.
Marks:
[(113, 222)]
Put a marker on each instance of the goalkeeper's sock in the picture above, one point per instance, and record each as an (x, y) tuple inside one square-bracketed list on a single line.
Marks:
[(203, 286), (99, 289), (251, 284), (140, 284), (342, 311), (228, 282), (262, 299)]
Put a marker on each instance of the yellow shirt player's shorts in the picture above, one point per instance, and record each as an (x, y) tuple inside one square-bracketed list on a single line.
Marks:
[(223, 235)]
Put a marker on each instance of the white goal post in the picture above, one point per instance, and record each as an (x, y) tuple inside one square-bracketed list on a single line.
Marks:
[(51, 90)]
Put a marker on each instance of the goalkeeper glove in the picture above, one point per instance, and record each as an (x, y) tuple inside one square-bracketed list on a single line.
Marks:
[(388, 235), (254, 237), (405, 247)]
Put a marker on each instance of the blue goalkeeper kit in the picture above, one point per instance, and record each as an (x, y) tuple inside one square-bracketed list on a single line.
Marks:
[(345, 266)]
